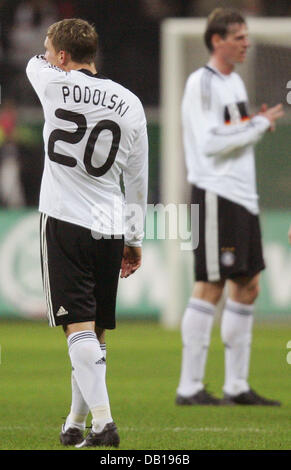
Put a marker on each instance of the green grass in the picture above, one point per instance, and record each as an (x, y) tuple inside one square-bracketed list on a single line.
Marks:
[(143, 366)]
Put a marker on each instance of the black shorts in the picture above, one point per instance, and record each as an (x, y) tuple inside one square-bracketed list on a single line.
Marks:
[(230, 242), (80, 273)]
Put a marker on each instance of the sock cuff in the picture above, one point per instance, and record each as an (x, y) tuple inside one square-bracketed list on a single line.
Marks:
[(85, 335), (239, 308), (101, 416), (201, 306)]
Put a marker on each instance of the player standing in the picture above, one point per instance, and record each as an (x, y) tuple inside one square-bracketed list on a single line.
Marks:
[(94, 132), (219, 138)]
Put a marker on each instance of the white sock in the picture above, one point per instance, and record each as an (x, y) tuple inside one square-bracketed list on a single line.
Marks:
[(79, 408), (236, 333), (196, 330), (89, 371)]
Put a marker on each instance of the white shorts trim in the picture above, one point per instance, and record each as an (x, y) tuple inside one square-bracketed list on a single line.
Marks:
[(45, 270), (211, 236)]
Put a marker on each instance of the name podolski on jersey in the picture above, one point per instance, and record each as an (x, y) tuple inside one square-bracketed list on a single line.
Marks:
[(96, 97)]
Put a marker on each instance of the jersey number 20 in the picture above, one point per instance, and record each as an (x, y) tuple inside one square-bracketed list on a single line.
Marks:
[(77, 136)]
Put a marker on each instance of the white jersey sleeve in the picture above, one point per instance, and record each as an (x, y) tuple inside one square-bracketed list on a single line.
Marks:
[(40, 72), (136, 181), (223, 140)]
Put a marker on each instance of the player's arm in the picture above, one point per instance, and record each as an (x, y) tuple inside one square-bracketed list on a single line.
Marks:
[(223, 140), (136, 187), (289, 235), (40, 72)]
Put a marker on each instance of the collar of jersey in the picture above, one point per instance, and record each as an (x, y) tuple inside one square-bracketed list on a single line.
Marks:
[(216, 72), (95, 75)]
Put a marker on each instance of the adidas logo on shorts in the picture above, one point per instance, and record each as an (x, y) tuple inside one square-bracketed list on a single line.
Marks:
[(62, 311)]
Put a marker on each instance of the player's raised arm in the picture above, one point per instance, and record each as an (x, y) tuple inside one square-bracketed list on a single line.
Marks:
[(39, 72)]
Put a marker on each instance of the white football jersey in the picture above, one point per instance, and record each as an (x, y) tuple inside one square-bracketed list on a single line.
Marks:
[(94, 132), (219, 136)]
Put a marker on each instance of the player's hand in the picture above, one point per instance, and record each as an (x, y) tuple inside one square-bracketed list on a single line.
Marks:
[(131, 260), (272, 114), (263, 108), (289, 235)]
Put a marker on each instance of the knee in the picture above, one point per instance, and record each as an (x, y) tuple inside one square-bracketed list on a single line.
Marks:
[(250, 292), (254, 291), (208, 291), (245, 292)]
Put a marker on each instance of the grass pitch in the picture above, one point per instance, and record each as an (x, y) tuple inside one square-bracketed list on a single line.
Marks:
[(143, 366)]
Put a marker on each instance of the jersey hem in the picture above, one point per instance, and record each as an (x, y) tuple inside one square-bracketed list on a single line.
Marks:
[(81, 224), (232, 199)]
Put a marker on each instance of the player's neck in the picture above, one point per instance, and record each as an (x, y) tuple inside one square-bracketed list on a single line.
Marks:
[(220, 65), (76, 66)]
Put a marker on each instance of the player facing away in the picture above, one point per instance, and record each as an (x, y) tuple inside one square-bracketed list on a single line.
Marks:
[(94, 132), (219, 137)]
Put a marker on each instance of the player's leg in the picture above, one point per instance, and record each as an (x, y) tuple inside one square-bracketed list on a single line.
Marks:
[(237, 319), (236, 332), (60, 275), (196, 332), (79, 408), (89, 370), (106, 258), (76, 420), (198, 316)]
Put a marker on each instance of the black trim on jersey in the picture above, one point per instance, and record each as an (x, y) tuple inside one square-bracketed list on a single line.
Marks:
[(242, 108), (51, 66), (206, 88), (211, 70), (96, 75)]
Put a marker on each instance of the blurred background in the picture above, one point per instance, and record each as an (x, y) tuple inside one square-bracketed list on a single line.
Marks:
[(130, 53)]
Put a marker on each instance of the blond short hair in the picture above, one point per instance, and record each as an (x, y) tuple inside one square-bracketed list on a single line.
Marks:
[(75, 36)]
